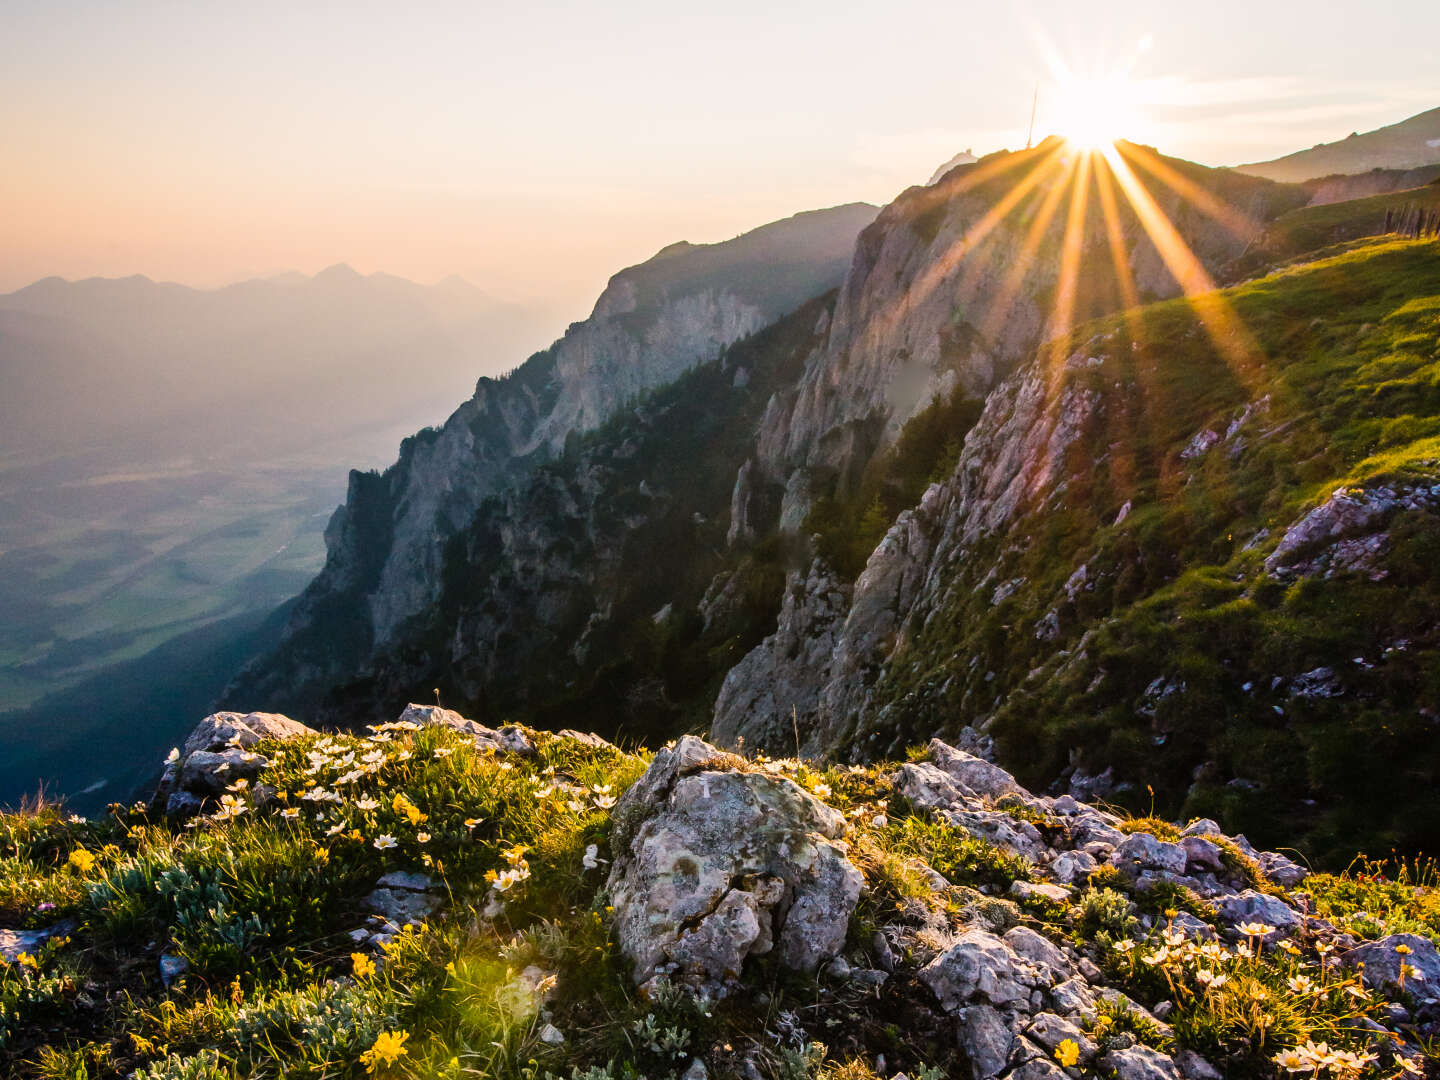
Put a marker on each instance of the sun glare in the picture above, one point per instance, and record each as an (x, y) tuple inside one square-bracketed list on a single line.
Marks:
[(1094, 113)]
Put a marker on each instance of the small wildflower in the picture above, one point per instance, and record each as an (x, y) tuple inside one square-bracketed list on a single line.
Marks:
[(83, 861), (388, 1048), (173, 756), (367, 803), (1158, 957), (422, 838), (1068, 1053), (443, 751), (335, 829), (1255, 929), (383, 843), (471, 822), (1301, 984), (362, 965), (505, 766), (77, 819), (604, 802), (290, 814)]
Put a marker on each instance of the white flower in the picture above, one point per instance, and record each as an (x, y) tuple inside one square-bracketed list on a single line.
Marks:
[(506, 766), (601, 789), (338, 827), (173, 756), (545, 792), (367, 803), (422, 838), (76, 819), (605, 802), (820, 788), (374, 757), (291, 814), (471, 822), (404, 755), (385, 842), (443, 751), (575, 806)]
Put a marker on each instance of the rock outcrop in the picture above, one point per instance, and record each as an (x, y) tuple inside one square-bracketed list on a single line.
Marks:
[(216, 754), (715, 862)]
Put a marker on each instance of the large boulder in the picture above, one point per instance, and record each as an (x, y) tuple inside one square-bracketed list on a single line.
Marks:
[(715, 861), (216, 754)]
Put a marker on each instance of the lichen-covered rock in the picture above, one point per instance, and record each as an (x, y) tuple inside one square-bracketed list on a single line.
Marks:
[(1015, 835), (1049, 1031), (714, 863), (982, 967)]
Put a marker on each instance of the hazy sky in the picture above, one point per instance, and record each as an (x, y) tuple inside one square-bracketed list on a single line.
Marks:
[(536, 147)]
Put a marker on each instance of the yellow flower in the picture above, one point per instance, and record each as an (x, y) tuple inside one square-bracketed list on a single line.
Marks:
[(82, 860), (389, 1047), (1068, 1053), (402, 805), (362, 965), (1403, 949), (26, 960)]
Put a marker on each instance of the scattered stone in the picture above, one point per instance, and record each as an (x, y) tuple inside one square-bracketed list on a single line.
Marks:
[(216, 754), (696, 1071), (1194, 1067), (550, 1035), (402, 898), (1202, 854), (1070, 865)]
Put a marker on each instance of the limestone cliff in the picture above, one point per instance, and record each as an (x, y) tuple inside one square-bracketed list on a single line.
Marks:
[(653, 322)]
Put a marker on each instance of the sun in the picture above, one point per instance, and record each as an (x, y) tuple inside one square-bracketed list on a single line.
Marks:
[(1094, 112)]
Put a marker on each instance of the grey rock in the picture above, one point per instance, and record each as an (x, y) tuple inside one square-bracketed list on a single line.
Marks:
[(713, 864), (986, 1039), (981, 966), (1039, 950), (1252, 907), (1073, 997), (550, 1035), (929, 788), (999, 828), (980, 776), (1038, 1069), (1050, 1031), (1070, 865), (1039, 890), (1201, 827), (1282, 871), (216, 753), (171, 968), (695, 1071), (509, 739), (586, 738), (1201, 854), (1141, 1063), (1141, 851), (1194, 1067), (1382, 964), (15, 942)]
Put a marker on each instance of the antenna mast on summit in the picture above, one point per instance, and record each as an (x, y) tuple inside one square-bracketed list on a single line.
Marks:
[(1034, 101)]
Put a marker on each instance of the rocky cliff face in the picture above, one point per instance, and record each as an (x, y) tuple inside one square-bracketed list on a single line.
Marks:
[(1124, 571), (653, 322), (956, 283)]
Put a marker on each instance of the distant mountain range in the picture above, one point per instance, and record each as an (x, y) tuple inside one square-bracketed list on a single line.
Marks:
[(1410, 144), (141, 370)]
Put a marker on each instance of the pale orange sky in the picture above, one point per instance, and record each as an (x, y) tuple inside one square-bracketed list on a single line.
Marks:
[(537, 151)]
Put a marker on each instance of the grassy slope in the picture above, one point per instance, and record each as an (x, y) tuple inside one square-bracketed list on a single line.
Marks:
[(261, 906), (1349, 356), (1312, 228)]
